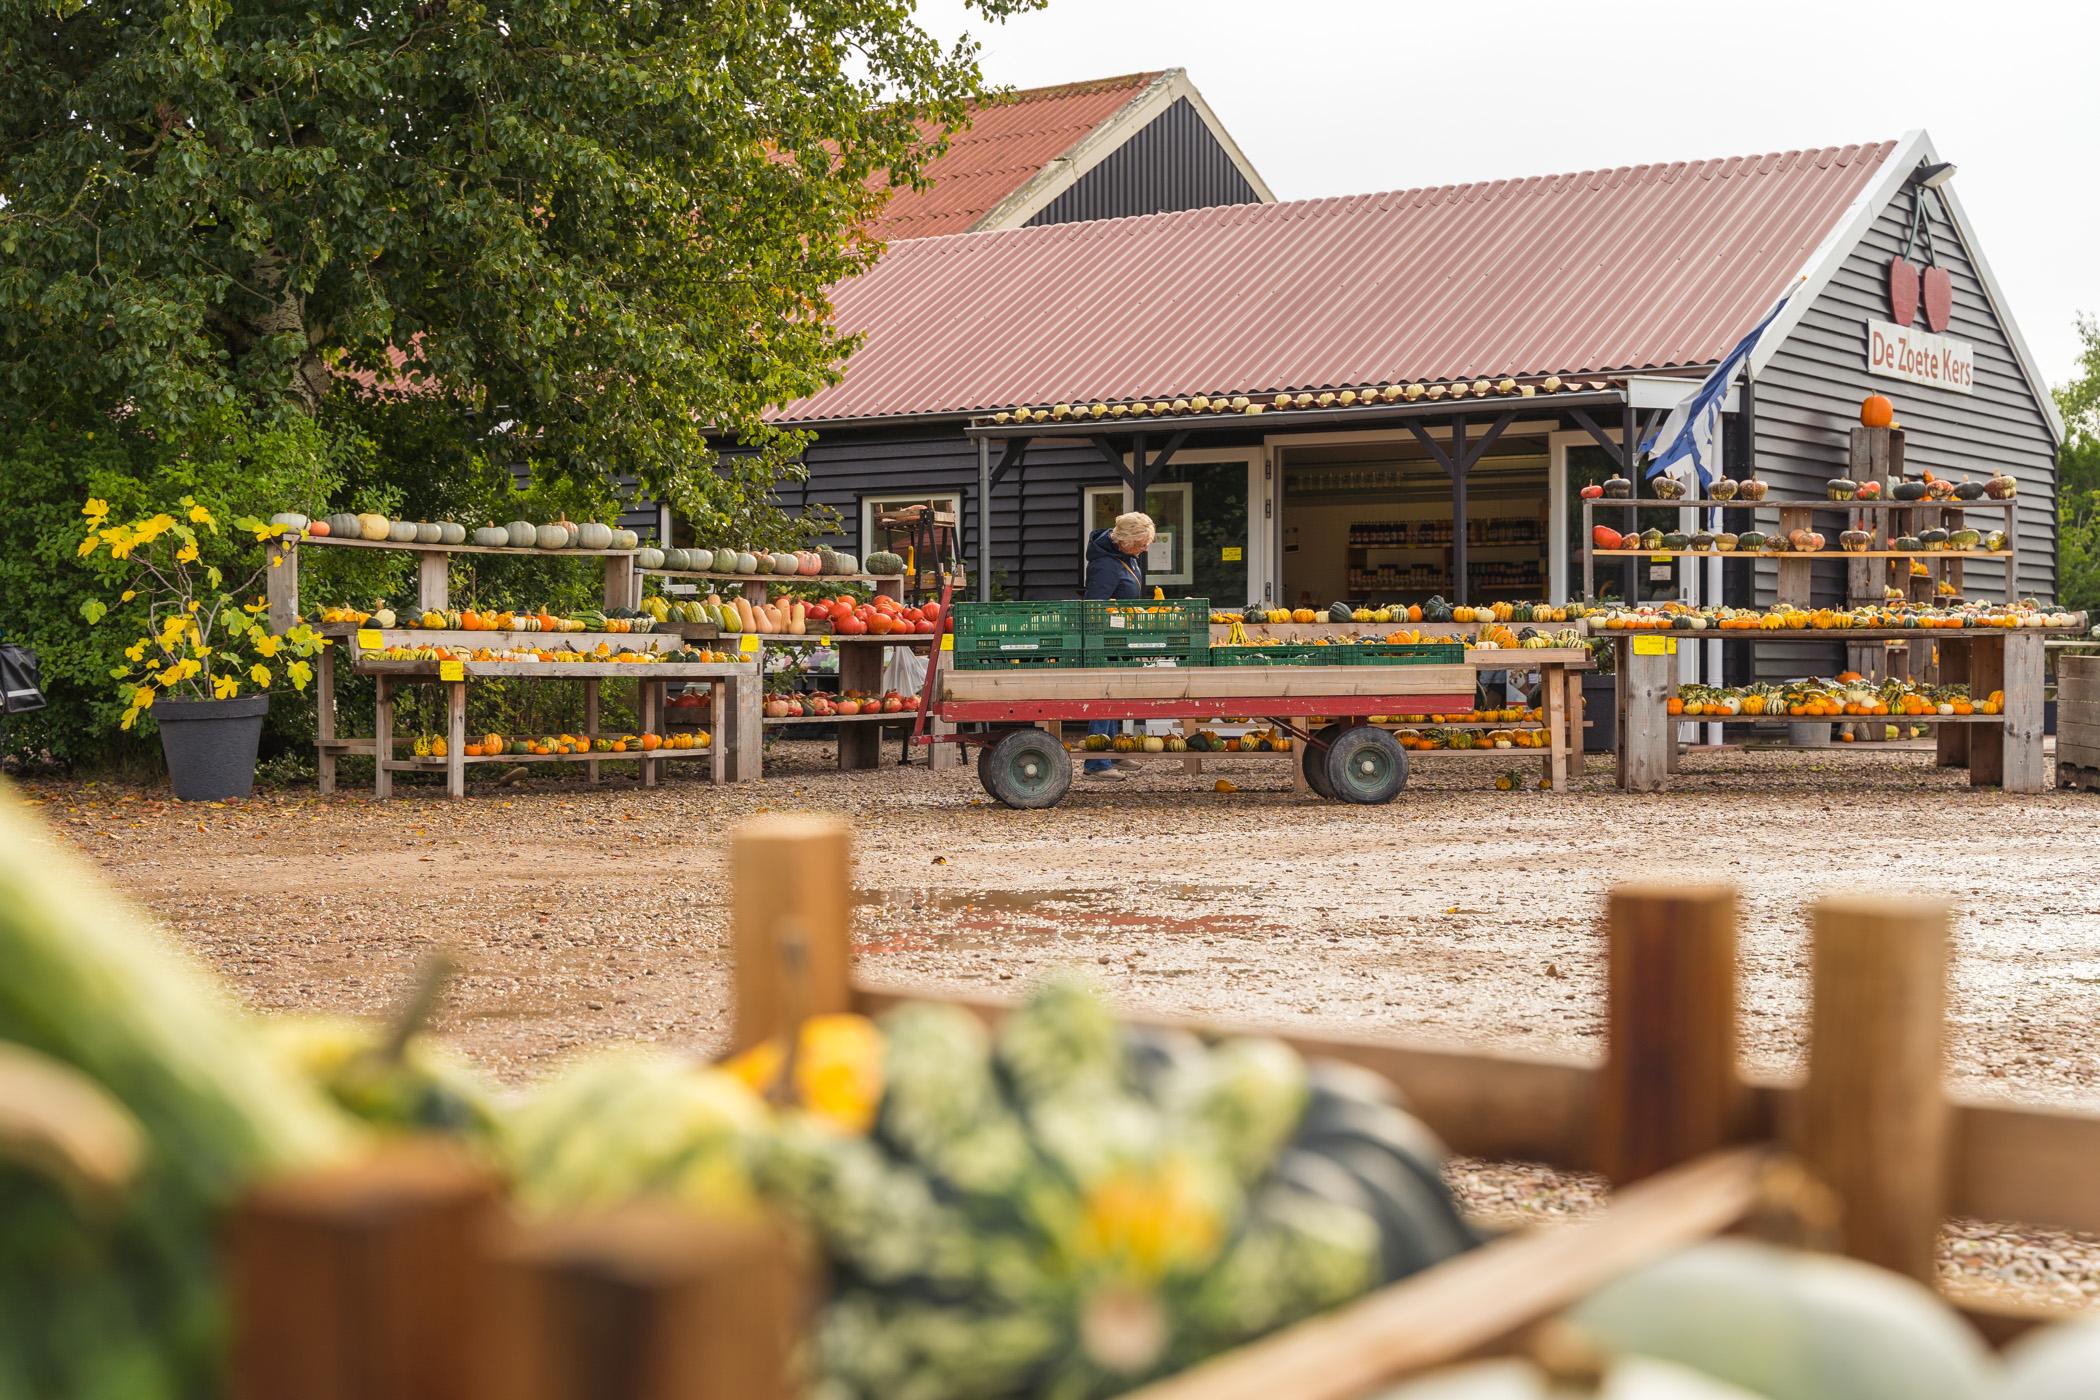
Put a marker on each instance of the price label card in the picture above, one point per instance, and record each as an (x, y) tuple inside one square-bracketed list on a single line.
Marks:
[(368, 639), (1654, 646), (947, 641), (452, 670), (748, 644)]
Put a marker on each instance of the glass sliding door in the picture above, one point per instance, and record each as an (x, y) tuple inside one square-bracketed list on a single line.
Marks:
[(1206, 544)]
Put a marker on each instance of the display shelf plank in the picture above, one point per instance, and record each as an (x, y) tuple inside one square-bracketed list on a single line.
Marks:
[(1829, 634), (1810, 554), (804, 580), (893, 639), (1204, 682), (890, 717), (653, 640), (339, 542), (1652, 503), (438, 765), (565, 670), (1838, 719)]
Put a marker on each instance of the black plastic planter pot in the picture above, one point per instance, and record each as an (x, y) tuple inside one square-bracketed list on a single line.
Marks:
[(1600, 706), (210, 745)]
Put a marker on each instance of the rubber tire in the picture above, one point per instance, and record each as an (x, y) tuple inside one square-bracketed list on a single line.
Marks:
[(1005, 770), (1312, 757), (1366, 747)]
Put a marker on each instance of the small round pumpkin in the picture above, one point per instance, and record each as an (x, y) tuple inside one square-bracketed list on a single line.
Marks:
[(451, 532), (372, 526), (402, 532), (593, 534), (552, 536), (1876, 411), (427, 532), (491, 536)]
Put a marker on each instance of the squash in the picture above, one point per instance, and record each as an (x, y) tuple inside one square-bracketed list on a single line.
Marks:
[(2053, 1363), (708, 560), (1933, 539), (1620, 1378), (427, 532), (1841, 488), (592, 534), (402, 531), (745, 563), (1435, 609), (886, 562), (1964, 538), (290, 519), (1997, 542), (650, 558), (344, 525), (626, 539), (1907, 491), (451, 532), (1752, 540), (1791, 1326), (1651, 539), (1721, 488), (786, 563), (1675, 539), (372, 526), (1604, 537), (1752, 489), (491, 536), (523, 534), (1726, 542), (1336, 612), (1875, 411), (554, 535), (809, 563), (1856, 541), (1667, 488), (1966, 490), (1909, 544), (2002, 487), (1152, 1163), (847, 564), (1617, 488), (1703, 541)]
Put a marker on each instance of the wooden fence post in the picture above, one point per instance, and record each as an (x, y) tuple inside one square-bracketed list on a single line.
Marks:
[(1669, 1090), (794, 906), (650, 1302), (1876, 1126), (361, 1282)]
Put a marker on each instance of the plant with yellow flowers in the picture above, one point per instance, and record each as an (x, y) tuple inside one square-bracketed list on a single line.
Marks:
[(199, 639)]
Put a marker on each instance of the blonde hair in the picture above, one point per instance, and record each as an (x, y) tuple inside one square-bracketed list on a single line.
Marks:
[(1132, 527)]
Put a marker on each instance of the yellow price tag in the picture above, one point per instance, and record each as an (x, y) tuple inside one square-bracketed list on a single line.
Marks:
[(947, 641), (748, 643), (368, 639), (452, 670), (1654, 646)]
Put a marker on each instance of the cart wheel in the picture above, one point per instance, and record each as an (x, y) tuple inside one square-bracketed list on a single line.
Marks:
[(1366, 764), (1028, 768), (1312, 757)]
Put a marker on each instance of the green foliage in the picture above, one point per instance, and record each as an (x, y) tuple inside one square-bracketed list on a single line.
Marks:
[(606, 231), (2078, 479), (235, 468)]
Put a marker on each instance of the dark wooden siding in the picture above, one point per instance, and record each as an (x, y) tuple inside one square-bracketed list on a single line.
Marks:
[(1042, 561), (1807, 399), (1173, 162)]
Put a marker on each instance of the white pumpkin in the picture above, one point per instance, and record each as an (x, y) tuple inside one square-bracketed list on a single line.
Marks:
[(746, 563), (371, 526), (491, 536), (592, 534), (625, 539), (402, 532), (2054, 1363), (451, 532), (1792, 1325), (427, 533), (521, 534), (649, 558), (699, 560), (291, 519), (552, 536)]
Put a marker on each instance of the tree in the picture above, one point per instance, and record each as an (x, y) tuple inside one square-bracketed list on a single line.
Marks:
[(608, 229), (2078, 479)]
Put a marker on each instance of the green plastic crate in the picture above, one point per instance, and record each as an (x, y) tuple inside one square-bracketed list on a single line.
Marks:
[(1133, 631), (993, 635), (1402, 653), (1282, 654)]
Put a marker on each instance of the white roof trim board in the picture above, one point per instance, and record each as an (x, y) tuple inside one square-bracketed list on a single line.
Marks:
[(1915, 148), (1042, 188)]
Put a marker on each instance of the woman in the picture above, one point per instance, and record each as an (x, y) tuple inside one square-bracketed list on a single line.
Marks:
[(1115, 568)]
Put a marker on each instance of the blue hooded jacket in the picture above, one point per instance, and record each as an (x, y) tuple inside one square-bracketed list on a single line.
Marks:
[(1110, 573)]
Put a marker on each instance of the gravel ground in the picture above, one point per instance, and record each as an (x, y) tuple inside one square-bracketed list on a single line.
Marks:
[(1458, 914)]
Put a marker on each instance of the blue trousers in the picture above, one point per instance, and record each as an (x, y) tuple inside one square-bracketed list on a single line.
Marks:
[(1101, 726)]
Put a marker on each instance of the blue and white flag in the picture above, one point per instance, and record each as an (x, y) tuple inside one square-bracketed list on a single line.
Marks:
[(1688, 433)]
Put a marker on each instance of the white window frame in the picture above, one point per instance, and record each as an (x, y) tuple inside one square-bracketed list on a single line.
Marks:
[(1258, 524), (948, 499)]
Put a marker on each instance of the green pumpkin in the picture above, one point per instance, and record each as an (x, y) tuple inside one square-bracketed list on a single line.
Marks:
[(1907, 491), (1752, 540), (1909, 543), (1675, 539), (885, 562), (1340, 612), (1436, 609)]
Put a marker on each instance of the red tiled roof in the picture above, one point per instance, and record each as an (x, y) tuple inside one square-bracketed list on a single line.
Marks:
[(1602, 271), (1005, 145)]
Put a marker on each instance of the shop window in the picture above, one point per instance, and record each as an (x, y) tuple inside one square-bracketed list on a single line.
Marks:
[(1171, 506)]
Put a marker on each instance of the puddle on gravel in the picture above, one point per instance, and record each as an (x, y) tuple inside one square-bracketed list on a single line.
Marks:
[(907, 920)]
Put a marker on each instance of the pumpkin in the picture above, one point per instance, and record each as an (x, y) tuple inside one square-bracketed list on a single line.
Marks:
[(1856, 541), (828, 558), (649, 558), (1907, 491), (553, 535), (344, 525), (1336, 612), (787, 563), (1725, 542), (704, 560), (401, 531), (1752, 489), (1910, 544), (625, 539), (1604, 537), (451, 532), (491, 536), (1675, 539), (1622, 1378), (522, 534), (1876, 411), (592, 534), (886, 562), (1996, 541), (2054, 1363), (1183, 1198), (1668, 488), (1722, 488), (1617, 488), (1752, 540), (745, 563), (1651, 539), (1841, 488), (1934, 539), (319, 528), (1791, 1326), (1703, 541), (1966, 490), (846, 564), (809, 563), (2002, 487), (1964, 538), (427, 532), (290, 519), (372, 526)]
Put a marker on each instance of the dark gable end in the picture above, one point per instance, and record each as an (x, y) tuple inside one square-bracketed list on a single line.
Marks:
[(1174, 162)]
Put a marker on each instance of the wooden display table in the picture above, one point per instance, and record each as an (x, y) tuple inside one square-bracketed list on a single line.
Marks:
[(724, 679), (2001, 751)]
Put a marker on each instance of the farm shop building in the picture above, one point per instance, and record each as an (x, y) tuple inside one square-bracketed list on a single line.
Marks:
[(1584, 305)]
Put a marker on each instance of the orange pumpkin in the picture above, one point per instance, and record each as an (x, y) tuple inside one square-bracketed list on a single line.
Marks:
[(1876, 411)]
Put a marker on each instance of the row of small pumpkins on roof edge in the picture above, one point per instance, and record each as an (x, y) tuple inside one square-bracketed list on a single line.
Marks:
[(518, 534), (1331, 398)]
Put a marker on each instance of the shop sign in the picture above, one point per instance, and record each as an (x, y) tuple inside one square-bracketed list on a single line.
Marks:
[(1921, 357)]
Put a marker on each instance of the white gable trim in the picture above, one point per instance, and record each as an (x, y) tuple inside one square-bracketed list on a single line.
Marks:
[(1042, 188), (1914, 149)]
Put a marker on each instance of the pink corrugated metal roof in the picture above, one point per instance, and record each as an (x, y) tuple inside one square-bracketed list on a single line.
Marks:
[(1597, 272), (1006, 145)]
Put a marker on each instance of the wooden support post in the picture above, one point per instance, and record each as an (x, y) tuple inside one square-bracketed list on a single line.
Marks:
[(590, 728), (324, 717), (382, 736), (433, 581), (1644, 721), (1952, 740), (1669, 1089), (793, 913), (358, 1282), (1987, 741), (456, 737), (860, 668), (623, 582), (2021, 765), (942, 758), (740, 724), (1875, 1123), (1795, 588), (717, 746), (1578, 723), (281, 583), (1553, 713), (648, 1303), (649, 704)]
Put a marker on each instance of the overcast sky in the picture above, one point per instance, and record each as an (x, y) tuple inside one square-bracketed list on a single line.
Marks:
[(1344, 98)]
